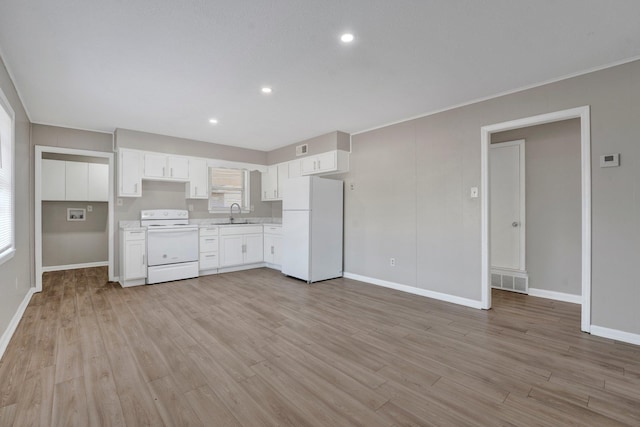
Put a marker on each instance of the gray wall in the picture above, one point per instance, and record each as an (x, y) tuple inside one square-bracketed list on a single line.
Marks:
[(54, 136), (74, 242), (553, 200), (426, 167), (320, 144), (186, 147), (16, 275)]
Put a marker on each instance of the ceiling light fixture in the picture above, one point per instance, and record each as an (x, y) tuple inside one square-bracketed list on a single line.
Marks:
[(213, 121), (266, 89), (346, 38)]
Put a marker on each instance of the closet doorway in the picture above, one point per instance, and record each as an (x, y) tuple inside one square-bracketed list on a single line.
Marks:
[(74, 212), (583, 114)]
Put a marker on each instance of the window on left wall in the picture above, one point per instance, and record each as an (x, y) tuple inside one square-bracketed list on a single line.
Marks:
[(7, 180)]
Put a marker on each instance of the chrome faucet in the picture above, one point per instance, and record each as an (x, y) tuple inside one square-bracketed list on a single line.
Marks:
[(231, 211)]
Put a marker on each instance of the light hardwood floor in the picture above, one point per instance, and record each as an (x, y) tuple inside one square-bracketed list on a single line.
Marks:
[(255, 348)]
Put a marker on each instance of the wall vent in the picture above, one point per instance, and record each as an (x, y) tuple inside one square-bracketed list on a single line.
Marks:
[(510, 281), (302, 149)]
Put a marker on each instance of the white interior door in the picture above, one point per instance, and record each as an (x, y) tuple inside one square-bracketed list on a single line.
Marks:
[(507, 205)]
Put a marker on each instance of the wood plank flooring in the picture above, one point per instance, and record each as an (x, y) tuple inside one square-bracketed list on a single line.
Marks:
[(255, 348)]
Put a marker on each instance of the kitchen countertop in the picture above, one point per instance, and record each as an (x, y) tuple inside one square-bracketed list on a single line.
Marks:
[(135, 225)]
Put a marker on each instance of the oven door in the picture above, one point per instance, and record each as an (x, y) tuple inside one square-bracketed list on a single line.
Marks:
[(167, 245)]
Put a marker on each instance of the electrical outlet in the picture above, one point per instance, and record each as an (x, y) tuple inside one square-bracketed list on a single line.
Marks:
[(352, 186), (190, 208), (89, 208), (392, 262), (474, 192), (119, 202)]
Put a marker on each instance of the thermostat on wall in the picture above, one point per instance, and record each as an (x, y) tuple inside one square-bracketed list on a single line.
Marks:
[(610, 160)]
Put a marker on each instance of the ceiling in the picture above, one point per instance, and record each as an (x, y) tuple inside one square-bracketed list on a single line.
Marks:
[(167, 66)]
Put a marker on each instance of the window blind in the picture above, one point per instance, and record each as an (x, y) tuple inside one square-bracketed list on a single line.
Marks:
[(228, 186), (6, 183)]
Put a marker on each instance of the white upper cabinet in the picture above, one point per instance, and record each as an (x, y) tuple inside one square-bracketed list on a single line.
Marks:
[(129, 173), (155, 165), (77, 181), (74, 181), (283, 175), (165, 166), (295, 168), (178, 167), (98, 189), (270, 184), (336, 161), (53, 180), (197, 187)]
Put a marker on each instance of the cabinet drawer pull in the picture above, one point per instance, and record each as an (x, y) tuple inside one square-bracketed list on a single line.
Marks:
[(210, 256), (163, 171)]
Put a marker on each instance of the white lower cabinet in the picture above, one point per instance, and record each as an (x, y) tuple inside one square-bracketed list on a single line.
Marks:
[(133, 257), (273, 245), (209, 249), (240, 245)]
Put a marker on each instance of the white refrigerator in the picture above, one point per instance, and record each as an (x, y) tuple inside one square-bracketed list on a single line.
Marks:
[(312, 228)]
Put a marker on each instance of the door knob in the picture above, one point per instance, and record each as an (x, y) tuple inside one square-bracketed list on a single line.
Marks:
[(515, 224)]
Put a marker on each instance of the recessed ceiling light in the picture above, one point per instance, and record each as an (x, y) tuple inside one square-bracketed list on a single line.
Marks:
[(213, 121), (266, 89), (346, 38)]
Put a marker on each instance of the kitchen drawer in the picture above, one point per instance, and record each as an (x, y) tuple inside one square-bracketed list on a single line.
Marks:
[(240, 229), (273, 229), (208, 243), (208, 260), (209, 231), (135, 235)]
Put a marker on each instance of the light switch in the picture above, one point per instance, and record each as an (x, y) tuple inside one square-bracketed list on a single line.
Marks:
[(119, 202), (474, 192), (89, 208)]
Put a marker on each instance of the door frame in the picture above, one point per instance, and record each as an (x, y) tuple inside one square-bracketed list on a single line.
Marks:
[(39, 150), (523, 213), (582, 113)]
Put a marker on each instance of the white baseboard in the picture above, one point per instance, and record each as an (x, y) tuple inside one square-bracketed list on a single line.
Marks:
[(615, 334), (558, 296), (74, 266), (416, 291), (13, 324), (241, 267)]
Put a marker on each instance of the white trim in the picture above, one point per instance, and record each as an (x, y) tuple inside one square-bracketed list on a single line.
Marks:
[(13, 82), (39, 150), (505, 93), (615, 334), (558, 296), (520, 143), (582, 113), (74, 266), (416, 291), (15, 320)]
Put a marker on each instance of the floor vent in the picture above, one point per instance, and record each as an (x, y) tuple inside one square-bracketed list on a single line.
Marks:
[(510, 281)]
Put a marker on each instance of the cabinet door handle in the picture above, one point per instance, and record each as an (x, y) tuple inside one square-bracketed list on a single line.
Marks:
[(244, 248), (142, 259), (171, 169), (163, 171), (135, 187), (318, 164), (265, 194), (271, 250), (274, 194), (196, 190)]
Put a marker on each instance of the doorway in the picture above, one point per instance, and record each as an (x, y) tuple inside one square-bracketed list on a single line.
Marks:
[(582, 113), (508, 211), (76, 216)]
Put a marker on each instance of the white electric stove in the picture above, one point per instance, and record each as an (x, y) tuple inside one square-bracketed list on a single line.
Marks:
[(172, 245)]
